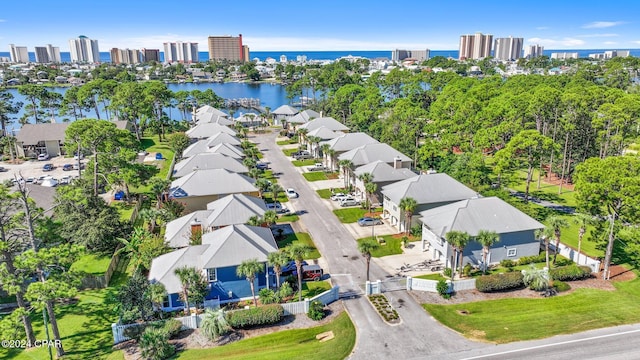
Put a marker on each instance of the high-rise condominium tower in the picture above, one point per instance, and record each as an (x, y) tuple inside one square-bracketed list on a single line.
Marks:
[(508, 48), (533, 51), (419, 55), (19, 54), (84, 49), (125, 56), (228, 48), (47, 54), (184, 52), (476, 46), (150, 55)]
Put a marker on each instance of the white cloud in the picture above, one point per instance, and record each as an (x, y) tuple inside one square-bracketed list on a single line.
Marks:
[(636, 42), (610, 43), (597, 35), (550, 43), (3, 20), (602, 24), (543, 28)]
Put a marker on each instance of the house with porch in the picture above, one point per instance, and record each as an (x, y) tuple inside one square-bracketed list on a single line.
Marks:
[(382, 175), (344, 143), (207, 130), (232, 209), (221, 252), (282, 114), (208, 160), (209, 114), (303, 117), (327, 122), (516, 230), (221, 138), (203, 186), (320, 134), (428, 190)]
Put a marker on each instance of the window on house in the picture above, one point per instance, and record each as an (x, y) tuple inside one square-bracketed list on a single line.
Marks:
[(395, 208), (211, 275), (165, 303), (511, 252)]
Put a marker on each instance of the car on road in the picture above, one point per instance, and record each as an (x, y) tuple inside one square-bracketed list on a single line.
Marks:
[(67, 167), (47, 167), (64, 180), (369, 221), (75, 166), (2, 169), (262, 166), (77, 156), (338, 196), (291, 193), (349, 201), (30, 180), (43, 157), (277, 207)]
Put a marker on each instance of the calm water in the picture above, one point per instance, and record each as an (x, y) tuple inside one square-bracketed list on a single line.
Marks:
[(271, 95)]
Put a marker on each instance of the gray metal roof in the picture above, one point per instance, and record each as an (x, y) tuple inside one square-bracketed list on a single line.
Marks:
[(211, 182), (428, 189), (369, 153), (285, 110), (31, 134), (206, 130), (163, 267), (220, 138), (208, 160), (178, 231), (207, 109), (383, 172), (324, 133), (350, 141), (213, 119), (328, 122), (473, 215), (234, 209), (227, 149), (303, 117)]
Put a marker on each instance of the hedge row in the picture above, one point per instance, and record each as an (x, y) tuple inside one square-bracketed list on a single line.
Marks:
[(263, 315), (570, 273), (500, 282)]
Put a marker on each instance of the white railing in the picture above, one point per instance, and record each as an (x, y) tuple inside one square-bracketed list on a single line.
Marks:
[(459, 285), (431, 285), (578, 258)]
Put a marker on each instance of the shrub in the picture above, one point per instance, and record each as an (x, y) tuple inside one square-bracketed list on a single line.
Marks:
[(561, 286), (214, 324), (154, 344), (466, 270), (172, 327), (499, 282), (268, 296), (447, 272), (563, 261), (507, 263), (526, 260), (316, 310), (443, 289), (264, 315), (416, 231), (134, 332), (570, 273), (536, 279), (285, 291)]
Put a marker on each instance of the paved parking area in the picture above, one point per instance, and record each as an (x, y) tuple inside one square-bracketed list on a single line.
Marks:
[(33, 168)]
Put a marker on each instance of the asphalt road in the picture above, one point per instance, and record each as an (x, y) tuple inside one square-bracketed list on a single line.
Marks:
[(418, 335)]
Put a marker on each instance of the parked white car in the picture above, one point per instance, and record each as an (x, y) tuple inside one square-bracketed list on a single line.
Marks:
[(43, 157), (349, 201), (292, 194)]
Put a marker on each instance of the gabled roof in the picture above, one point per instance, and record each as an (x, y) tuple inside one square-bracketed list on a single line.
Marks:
[(206, 109), (328, 122), (220, 138), (213, 119), (383, 172), (285, 110), (178, 231), (428, 189), (234, 209), (324, 133), (227, 149), (303, 117), (31, 134), (248, 118), (473, 215), (197, 147), (205, 130), (350, 141), (211, 182), (224, 247), (208, 160), (369, 153)]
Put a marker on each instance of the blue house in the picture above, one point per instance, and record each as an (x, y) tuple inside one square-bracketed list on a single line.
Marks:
[(218, 257)]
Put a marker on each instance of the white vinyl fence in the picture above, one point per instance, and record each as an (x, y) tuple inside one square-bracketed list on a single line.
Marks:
[(193, 321), (578, 258)]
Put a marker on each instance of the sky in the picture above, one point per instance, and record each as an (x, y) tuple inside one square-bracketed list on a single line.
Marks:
[(320, 25)]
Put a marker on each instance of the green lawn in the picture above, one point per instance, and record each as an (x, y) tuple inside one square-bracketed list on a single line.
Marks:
[(326, 193), (313, 288), (288, 344), (125, 210), (268, 197), (307, 162), (569, 236), (289, 152), (547, 191), (286, 142), (508, 320), (288, 218), (434, 276), (92, 264), (315, 176), (268, 174), (303, 238), (153, 145), (350, 215), (392, 246)]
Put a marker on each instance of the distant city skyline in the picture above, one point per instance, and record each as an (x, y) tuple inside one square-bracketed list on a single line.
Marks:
[(331, 25)]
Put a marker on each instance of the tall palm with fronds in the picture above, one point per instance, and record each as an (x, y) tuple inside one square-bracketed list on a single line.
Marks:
[(249, 269), (263, 185), (255, 220), (346, 166), (276, 189), (277, 260), (298, 251), (486, 238), (545, 234), (408, 205), (133, 247), (314, 141), (557, 223), (324, 148), (366, 178), (331, 154), (270, 217), (370, 189), (188, 276), (458, 240), (583, 220), (366, 246), (157, 294), (302, 133)]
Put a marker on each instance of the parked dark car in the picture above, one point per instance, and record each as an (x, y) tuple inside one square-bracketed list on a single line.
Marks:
[(262, 166), (119, 196), (290, 267), (67, 167), (47, 167)]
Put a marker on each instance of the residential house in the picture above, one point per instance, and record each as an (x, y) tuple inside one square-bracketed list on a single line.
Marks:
[(201, 187), (282, 114), (208, 160), (222, 138), (327, 122), (250, 120), (515, 229), (206, 130), (232, 209), (202, 146), (320, 134), (382, 174), (221, 252), (344, 143), (303, 117), (428, 190), (208, 114)]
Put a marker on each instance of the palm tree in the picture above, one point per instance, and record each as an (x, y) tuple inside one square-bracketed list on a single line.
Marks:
[(545, 234), (157, 294), (458, 240), (255, 220), (276, 189), (150, 216), (370, 189), (270, 217), (214, 323), (158, 187), (249, 162), (298, 251), (331, 155), (133, 247), (277, 259), (486, 238), (366, 246), (314, 141), (187, 276), (583, 220), (557, 223), (249, 269), (324, 148), (346, 166), (263, 185), (301, 135), (254, 173), (408, 205)]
